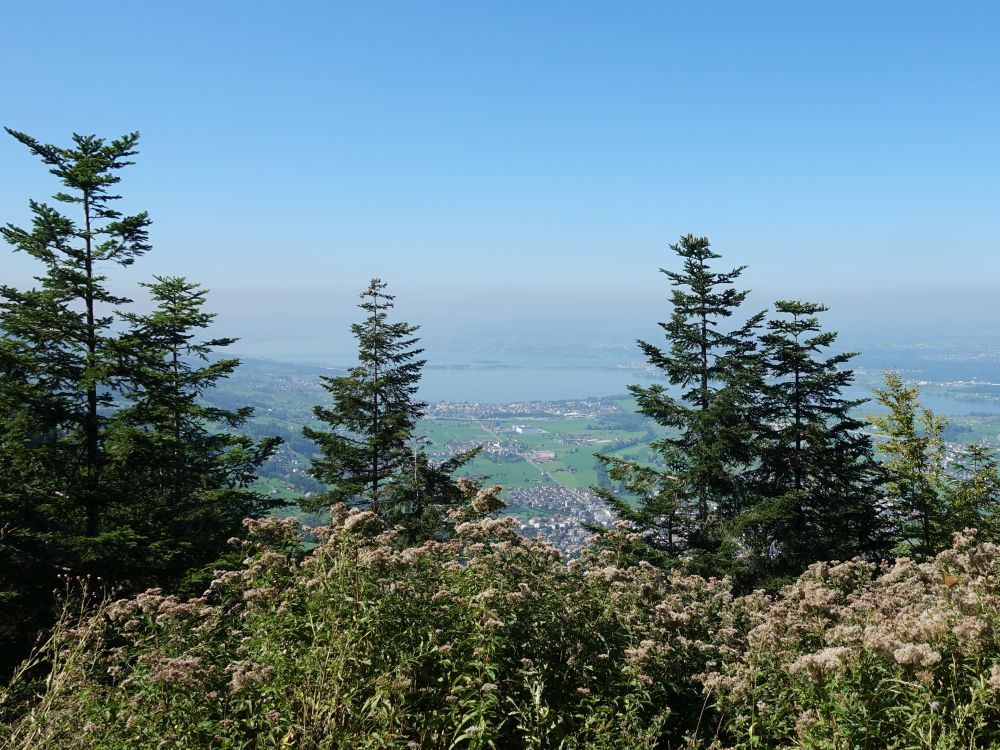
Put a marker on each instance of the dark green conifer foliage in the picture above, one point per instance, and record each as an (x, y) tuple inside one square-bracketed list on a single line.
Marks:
[(55, 382), (662, 513), (77, 494), (188, 485), (816, 482), (421, 495), (683, 506), (62, 329), (30, 523), (369, 456)]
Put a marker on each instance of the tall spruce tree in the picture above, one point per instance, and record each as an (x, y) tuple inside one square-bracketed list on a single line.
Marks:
[(815, 485), (74, 496), (187, 471), (62, 329), (56, 382), (368, 457), (684, 506)]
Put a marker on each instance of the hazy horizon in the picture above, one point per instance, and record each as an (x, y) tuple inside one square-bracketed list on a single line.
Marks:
[(496, 163), (879, 318)]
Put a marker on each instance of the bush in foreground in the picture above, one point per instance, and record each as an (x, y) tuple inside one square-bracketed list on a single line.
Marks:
[(491, 640), (854, 655), (486, 640)]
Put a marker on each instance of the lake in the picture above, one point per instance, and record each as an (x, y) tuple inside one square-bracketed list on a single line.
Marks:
[(541, 378)]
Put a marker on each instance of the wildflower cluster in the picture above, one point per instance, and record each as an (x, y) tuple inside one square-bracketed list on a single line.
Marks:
[(487, 639), (853, 654), (484, 639)]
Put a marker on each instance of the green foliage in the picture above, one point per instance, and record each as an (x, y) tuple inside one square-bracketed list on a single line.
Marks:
[(765, 470), (660, 511), (57, 336), (975, 491), (105, 463), (374, 408), (420, 497), (491, 640), (370, 456), (684, 506), (187, 484), (931, 496), (57, 376), (854, 655), (486, 640), (915, 467), (815, 484)]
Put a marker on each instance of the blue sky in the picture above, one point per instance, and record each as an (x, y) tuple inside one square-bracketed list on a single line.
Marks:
[(495, 160)]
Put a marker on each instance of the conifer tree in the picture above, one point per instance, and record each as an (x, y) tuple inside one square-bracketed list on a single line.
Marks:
[(932, 494), (815, 485), (683, 507), (367, 457), (975, 491), (59, 333), (187, 473), (915, 468), (421, 495), (31, 528), (74, 497), (654, 504)]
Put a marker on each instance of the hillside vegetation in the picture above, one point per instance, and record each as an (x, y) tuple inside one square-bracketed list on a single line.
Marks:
[(490, 640)]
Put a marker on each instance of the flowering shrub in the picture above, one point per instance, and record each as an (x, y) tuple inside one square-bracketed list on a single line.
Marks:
[(491, 640), (853, 655), (484, 640)]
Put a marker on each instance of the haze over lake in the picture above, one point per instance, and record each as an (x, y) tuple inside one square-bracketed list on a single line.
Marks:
[(505, 375)]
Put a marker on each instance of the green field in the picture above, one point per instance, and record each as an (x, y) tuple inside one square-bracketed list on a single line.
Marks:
[(442, 431), (573, 441), (520, 474)]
